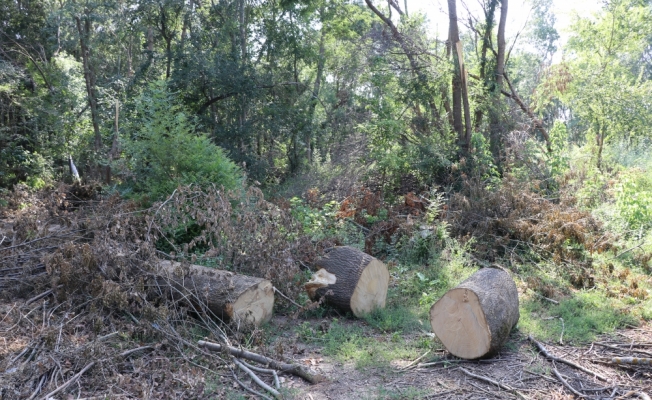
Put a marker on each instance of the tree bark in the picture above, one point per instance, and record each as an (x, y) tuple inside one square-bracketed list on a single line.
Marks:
[(474, 319)]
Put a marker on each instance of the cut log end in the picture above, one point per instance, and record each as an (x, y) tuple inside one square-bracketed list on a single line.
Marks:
[(474, 319), (255, 305), (371, 291), (459, 322)]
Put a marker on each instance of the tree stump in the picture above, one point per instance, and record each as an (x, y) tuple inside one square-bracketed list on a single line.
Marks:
[(239, 298), (474, 319), (350, 280)]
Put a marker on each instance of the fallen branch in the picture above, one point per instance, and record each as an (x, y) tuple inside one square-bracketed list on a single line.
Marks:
[(566, 384), (277, 383), (70, 381), (256, 379), (247, 388), (286, 297), (38, 297), (415, 361), (281, 366), (545, 298), (545, 352), (640, 395), (619, 348), (129, 352), (493, 382), (631, 361)]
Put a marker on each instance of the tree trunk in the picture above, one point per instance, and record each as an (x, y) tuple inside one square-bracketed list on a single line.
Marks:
[(474, 319), (500, 58), (486, 40), (238, 298), (350, 280), (84, 35), (453, 38), (497, 127)]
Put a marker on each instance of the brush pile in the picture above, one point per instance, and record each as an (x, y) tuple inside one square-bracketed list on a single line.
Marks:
[(84, 312)]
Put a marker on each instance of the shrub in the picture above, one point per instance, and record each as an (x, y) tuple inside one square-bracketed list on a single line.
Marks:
[(166, 150)]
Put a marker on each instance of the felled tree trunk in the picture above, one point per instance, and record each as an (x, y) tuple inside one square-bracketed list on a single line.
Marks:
[(239, 298), (350, 280), (474, 319)]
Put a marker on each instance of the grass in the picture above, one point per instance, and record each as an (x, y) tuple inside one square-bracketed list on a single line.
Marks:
[(348, 341)]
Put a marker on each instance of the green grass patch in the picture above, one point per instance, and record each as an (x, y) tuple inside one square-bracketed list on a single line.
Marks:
[(585, 315), (348, 342)]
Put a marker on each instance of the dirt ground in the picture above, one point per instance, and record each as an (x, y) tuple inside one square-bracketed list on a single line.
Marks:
[(35, 354), (520, 370)]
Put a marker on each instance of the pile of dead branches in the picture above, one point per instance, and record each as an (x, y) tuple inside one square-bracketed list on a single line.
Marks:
[(512, 220), (82, 312)]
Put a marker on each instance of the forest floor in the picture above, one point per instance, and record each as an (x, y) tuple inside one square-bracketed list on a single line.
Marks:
[(519, 371), (77, 321), (356, 360)]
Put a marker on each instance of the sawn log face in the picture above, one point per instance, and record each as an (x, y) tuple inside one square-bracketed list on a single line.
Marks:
[(474, 319)]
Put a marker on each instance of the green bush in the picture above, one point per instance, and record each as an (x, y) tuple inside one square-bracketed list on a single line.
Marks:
[(634, 199), (166, 150)]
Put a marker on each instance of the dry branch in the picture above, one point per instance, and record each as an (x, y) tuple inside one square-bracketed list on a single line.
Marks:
[(545, 352), (256, 379), (566, 384), (493, 382), (619, 348), (631, 361), (640, 395), (69, 382), (247, 388), (281, 366)]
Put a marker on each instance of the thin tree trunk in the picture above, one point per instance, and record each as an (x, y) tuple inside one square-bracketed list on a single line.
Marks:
[(465, 96), (453, 39), (84, 34), (316, 88), (496, 128), (500, 59), (486, 40), (243, 30)]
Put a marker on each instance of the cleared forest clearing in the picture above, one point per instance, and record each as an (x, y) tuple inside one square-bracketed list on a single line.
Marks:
[(86, 314)]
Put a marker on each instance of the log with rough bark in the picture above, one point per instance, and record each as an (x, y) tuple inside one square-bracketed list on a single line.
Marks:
[(239, 298), (474, 319), (350, 280)]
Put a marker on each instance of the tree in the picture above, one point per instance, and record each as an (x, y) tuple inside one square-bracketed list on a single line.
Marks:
[(608, 92)]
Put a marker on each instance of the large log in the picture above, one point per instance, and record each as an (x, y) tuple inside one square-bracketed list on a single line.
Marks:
[(350, 280), (474, 319), (239, 298)]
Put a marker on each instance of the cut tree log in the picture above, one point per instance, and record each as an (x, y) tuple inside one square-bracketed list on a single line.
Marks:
[(238, 298), (474, 319), (350, 280)]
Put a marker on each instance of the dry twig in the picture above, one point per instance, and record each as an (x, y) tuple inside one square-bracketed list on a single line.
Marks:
[(256, 379), (566, 384), (283, 367), (493, 382), (547, 354), (69, 382)]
